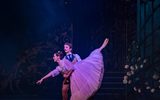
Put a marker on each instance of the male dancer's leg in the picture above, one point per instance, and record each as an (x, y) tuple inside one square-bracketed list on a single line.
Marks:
[(65, 88)]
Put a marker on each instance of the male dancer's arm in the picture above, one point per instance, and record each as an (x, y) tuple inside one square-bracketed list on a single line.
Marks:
[(68, 74), (76, 59)]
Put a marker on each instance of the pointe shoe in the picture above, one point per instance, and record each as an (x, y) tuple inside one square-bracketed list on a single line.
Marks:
[(105, 42)]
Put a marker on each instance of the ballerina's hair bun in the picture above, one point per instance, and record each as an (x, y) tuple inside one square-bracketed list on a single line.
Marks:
[(60, 53)]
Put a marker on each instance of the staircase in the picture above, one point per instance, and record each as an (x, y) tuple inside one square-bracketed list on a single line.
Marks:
[(112, 87)]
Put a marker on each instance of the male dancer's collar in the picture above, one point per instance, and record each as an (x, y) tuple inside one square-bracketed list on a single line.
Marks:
[(69, 53)]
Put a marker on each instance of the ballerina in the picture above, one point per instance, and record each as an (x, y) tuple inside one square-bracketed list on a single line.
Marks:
[(86, 76)]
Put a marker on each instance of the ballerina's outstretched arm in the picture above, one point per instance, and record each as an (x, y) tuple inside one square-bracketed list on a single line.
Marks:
[(45, 77), (53, 73)]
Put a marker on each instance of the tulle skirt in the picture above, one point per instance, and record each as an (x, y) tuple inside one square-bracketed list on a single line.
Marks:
[(87, 76)]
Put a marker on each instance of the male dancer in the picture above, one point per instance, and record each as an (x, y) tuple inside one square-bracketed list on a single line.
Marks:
[(72, 58)]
